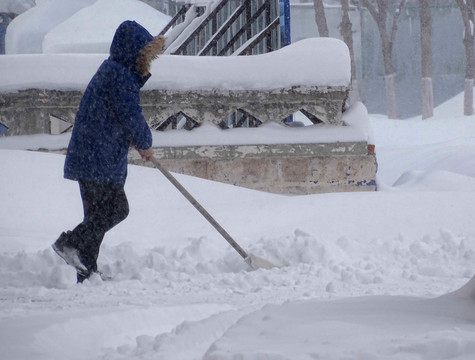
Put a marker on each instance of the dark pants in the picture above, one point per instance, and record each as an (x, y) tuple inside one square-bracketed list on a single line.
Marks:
[(105, 205)]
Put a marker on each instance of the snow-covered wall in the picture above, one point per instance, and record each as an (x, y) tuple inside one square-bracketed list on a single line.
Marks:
[(310, 62)]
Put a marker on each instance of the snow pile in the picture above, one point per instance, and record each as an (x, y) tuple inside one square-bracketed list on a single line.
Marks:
[(26, 32), (310, 265), (421, 148), (77, 26), (91, 31)]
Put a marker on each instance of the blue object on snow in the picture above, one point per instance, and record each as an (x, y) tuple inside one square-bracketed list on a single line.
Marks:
[(284, 8), (3, 129)]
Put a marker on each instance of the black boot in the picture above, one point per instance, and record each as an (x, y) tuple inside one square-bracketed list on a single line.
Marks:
[(66, 249), (88, 257)]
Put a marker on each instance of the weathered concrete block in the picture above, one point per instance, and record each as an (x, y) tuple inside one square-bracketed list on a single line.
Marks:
[(28, 112), (285, 169)]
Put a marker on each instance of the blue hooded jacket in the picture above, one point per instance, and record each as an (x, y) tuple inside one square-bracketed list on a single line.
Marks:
[(110, 118)]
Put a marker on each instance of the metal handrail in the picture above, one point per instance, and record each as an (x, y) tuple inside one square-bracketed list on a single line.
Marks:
[(218, 31)]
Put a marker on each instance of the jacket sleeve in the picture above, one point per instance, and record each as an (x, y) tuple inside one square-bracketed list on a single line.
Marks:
[(125, 101)]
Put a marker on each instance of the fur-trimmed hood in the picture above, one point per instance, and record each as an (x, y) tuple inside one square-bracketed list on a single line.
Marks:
[(134, 47), (148, 53)]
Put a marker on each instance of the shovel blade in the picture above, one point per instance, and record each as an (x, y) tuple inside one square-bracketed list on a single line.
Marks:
[(256, 262)]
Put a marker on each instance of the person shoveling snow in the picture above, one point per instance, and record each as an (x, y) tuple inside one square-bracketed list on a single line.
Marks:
[(109, 120)]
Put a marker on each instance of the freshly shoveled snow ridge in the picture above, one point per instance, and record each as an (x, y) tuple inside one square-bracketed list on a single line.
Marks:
[(310, 62)]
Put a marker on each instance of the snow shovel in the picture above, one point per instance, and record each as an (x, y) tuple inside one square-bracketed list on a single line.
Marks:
[(254, 261)]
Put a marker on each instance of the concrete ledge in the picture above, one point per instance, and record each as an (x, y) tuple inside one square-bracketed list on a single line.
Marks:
[(255, 151), (286, 169)]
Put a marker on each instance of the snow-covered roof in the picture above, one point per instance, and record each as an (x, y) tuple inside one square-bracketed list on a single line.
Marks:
[(77, 25), (309, 62)]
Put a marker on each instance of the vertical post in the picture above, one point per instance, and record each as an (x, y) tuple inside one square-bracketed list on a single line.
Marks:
[(3, 129), (214, 30), (248, 20), (284, 21), (269, 46), (284, 17)]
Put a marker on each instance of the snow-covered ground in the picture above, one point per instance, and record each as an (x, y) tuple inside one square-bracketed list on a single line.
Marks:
[(362, 276)]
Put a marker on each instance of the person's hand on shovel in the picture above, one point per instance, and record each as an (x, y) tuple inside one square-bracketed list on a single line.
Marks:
[(146, 154)]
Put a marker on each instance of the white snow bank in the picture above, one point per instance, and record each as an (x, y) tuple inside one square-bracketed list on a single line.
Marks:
[(419, 180), (359, 328), (436, 144), (26, 32), (313, 62), (91, 29)]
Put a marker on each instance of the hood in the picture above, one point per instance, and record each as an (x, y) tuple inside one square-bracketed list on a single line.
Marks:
[(134, 47)]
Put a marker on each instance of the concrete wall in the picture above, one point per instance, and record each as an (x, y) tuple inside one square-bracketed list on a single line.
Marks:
[(29, 112)]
